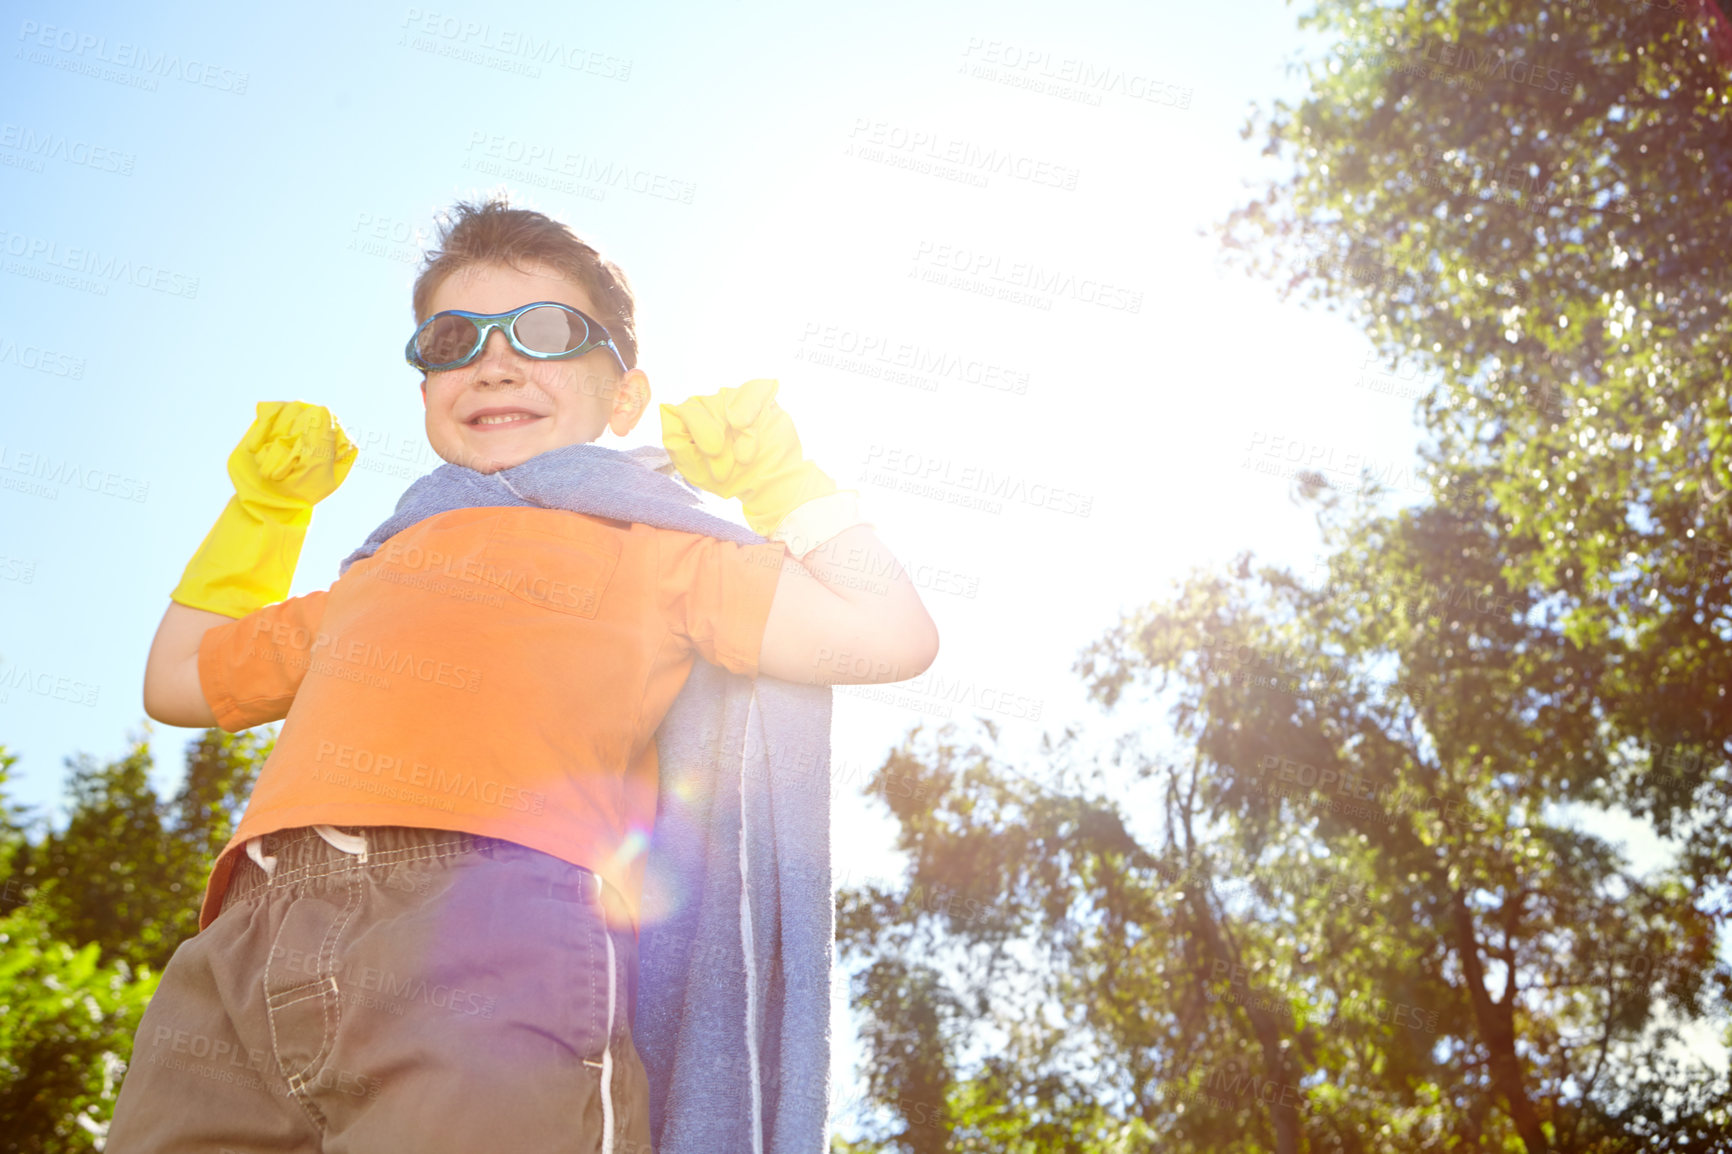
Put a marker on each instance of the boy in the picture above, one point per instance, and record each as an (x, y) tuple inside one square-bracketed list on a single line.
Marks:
[(451, 816)]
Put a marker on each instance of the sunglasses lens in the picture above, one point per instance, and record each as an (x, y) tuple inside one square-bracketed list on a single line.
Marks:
[(445, 339), (550, 330)]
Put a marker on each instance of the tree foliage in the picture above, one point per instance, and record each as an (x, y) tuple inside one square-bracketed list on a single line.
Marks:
[(1351, 905), (1554, 258), (66, 1029), (90, 913)]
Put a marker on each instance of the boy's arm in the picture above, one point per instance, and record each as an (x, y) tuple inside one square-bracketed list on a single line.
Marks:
[(292, 457), (172, 693), (828, 626)]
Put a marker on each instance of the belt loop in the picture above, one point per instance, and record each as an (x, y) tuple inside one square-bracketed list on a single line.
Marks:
[(256, 851)]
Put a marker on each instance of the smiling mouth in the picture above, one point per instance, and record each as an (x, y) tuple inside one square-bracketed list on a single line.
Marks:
[(504, 421)]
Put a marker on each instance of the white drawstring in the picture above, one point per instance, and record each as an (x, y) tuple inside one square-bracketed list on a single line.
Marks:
[(746, 944), (256, 851), (607, 1047), (607, 1052), (351, 843)]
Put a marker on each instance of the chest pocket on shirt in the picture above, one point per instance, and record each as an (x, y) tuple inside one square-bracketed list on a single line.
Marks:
[(562, 563)]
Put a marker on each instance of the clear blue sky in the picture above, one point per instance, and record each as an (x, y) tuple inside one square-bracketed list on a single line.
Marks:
[(768, 239), (796, 192)]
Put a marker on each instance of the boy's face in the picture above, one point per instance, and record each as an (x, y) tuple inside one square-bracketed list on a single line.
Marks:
[(548, 404)]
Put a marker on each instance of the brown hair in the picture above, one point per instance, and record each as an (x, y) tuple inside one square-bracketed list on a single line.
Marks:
[(492, 232)]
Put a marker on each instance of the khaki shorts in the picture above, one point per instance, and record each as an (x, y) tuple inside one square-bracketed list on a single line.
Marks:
[(448, 993)]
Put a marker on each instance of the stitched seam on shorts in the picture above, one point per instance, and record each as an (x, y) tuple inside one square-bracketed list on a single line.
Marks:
[(596, 956), (276, 1049), (314, 989), (328, 1035), (328, 958), (327, 982)]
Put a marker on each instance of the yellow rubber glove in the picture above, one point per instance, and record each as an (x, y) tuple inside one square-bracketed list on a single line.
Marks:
[(741, 443), (292, 457)]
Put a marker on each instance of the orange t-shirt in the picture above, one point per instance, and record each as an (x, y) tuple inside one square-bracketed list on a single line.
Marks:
[(496, 670)]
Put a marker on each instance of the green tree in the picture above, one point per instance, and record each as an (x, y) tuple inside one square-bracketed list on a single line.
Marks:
[(1352, 918), (1552, 249), (128, 870), (1526, 199), (66, 1030), (89, 915)]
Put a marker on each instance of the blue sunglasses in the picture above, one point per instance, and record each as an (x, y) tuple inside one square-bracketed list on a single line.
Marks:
[(543, 331)]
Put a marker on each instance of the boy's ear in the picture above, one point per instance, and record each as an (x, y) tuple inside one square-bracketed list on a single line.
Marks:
[(629, 402), (423, 391)]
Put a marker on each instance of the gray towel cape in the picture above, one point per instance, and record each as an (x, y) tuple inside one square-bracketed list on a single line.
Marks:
[(733, 1006)]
